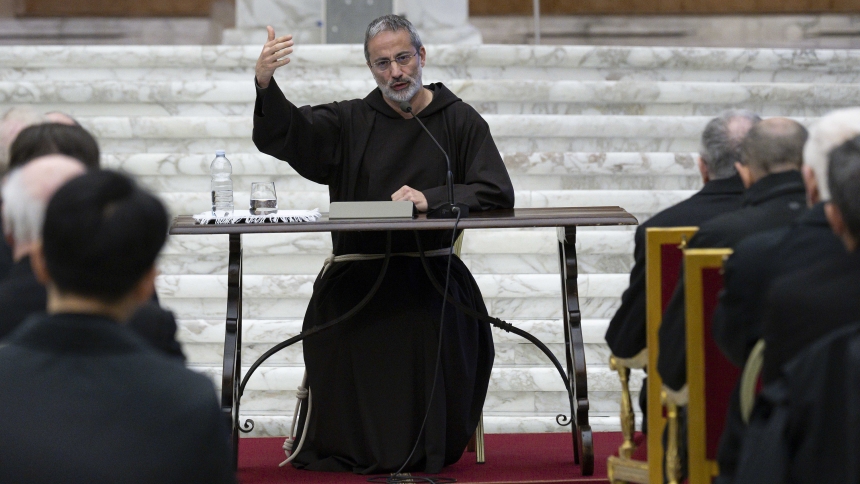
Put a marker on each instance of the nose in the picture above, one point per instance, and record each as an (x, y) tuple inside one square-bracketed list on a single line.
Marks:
[(396, 69)]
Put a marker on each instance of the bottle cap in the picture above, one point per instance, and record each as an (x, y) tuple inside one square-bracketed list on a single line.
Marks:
[(219, 152)]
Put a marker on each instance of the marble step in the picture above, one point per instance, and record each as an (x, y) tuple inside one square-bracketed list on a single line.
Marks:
[(444, 62), (634, 201), (518, 163), (526, 133), (293, 286), (502, 379), (488, 96), (501, 307)]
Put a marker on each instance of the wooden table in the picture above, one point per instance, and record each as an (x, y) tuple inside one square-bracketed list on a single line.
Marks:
[(565, 220)]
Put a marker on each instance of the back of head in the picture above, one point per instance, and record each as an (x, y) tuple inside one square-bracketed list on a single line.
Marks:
[(391, 23), (49, 138), (26, 193), (102, 234), (844, 183), (13, 122), (773, 145), (829, 132), (721, 141)]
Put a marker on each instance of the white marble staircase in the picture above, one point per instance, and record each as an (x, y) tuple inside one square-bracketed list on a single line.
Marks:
[(576, 126)]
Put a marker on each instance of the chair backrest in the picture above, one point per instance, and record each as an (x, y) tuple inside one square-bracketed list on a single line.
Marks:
[(663, 256), (711, 378)]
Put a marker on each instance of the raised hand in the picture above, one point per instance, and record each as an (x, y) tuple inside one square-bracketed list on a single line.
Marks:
[(274, 55)]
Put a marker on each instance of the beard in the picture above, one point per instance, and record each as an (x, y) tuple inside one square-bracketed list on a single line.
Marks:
[(405, 94)]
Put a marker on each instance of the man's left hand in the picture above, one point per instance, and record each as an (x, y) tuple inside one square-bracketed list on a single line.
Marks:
[(412, 195)]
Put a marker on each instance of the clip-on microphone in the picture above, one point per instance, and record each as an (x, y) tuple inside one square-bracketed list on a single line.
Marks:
[(449, 209)]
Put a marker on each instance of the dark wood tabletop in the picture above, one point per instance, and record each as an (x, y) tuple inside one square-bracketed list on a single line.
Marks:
[(492, 219)]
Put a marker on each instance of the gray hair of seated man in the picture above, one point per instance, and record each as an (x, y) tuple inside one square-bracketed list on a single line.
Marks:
[(28, 189), (844, 183), (391, 23), (827, 133), (721, 141)]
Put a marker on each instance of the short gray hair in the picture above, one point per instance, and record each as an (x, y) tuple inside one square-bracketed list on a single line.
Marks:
[(721, 141), (23, 210), (829, 132), (391, 23), (844, 183)]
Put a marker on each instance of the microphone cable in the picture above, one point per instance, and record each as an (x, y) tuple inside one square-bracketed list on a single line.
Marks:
[(397, 477)]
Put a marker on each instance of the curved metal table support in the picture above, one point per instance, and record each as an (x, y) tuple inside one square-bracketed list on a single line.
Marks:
[(564, 219), (583, 446)]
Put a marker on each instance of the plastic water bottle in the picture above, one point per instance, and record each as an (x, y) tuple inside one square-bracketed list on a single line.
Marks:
[(222, 184)]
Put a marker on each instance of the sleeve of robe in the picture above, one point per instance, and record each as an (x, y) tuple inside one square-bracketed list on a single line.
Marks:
[(626, 333), (306, 137), (481, 179)]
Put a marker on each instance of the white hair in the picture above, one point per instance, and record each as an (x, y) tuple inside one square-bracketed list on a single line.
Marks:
[(828, 133), (23, 211)]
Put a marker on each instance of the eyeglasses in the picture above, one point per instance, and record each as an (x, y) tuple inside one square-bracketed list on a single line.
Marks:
[(402, 59)]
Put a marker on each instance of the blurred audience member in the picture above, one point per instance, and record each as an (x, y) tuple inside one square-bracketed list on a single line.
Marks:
[(96, 402), (25, 195), (61, 118), (49, 138)]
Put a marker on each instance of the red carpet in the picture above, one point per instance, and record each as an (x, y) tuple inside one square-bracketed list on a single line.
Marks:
[(511, 459)]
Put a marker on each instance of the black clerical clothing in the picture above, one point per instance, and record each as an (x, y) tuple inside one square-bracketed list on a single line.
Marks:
[(371, 377), (804, 306), (626, 333), (774, 201), (85, 400), (804, 425), (21, 296), (749, 272)]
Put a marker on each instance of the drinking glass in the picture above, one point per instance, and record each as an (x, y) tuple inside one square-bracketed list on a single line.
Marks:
[(264, 200)]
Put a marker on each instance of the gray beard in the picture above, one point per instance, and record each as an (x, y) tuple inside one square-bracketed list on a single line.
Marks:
[(402, 95)]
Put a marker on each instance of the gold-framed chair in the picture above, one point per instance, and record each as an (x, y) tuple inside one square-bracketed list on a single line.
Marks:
[(711, 378), (663, 255)]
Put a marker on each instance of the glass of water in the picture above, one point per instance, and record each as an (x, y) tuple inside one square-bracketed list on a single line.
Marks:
[(264, 200)]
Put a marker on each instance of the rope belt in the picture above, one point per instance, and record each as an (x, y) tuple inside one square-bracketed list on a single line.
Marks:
[(333, 259)]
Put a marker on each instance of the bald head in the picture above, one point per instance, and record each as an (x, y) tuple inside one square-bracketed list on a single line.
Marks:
[(60, 118), (772, 146), (26, 193)]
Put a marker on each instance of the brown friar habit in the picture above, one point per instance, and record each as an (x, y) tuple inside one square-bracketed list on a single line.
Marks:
[(371, 376)]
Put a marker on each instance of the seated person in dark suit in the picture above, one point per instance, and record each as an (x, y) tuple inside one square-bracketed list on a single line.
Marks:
[(801, 429), (721, 142), (26, 193), (760, 258), (771, 154), (808, 304), (85, 399)]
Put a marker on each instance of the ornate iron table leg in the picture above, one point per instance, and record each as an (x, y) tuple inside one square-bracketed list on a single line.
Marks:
[(230, 376), (583, 447)]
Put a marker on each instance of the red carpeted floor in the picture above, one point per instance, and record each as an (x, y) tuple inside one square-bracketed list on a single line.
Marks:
[(511, 459)]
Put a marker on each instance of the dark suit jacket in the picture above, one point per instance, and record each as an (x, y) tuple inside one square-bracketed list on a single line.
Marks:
[(756, 261), (774, 201), (21, 296), (749, 272), (804, 306), (86, 400), (626, 333)]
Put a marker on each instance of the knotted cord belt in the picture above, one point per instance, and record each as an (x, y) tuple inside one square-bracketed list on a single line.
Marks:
[(333, 259)]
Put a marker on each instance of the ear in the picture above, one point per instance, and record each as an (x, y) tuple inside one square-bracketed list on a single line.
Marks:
[(834, 218), (145, 287), (703, 170), (745, 173), (811, 183), (422, 53), (39, 266)]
